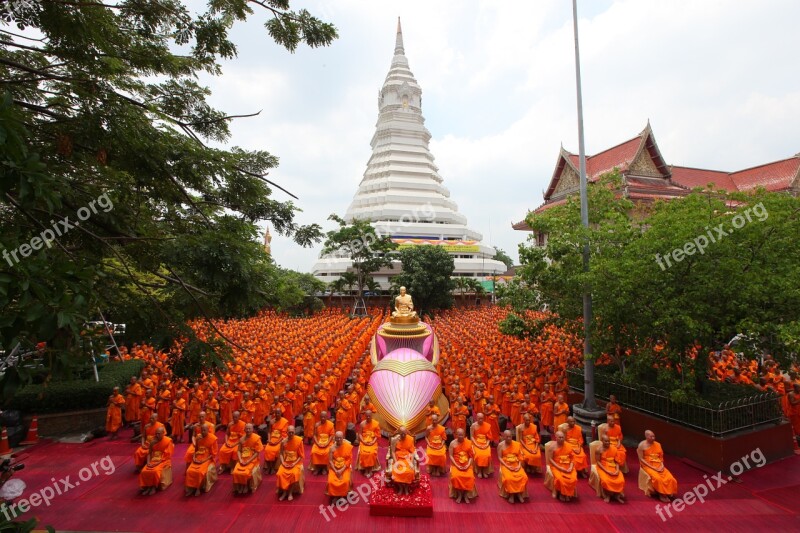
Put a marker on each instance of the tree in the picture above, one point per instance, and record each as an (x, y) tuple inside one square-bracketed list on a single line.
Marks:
[(461, 284), (102, 120), (500, 255), (427, 272), (358, 241)]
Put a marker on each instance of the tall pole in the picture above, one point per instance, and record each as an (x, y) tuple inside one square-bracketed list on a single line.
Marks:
[(588, 363)]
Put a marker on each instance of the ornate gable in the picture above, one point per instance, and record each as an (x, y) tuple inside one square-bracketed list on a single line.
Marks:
[(568, 182)]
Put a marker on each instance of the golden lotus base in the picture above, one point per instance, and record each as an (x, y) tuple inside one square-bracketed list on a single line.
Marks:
[(395, 331)]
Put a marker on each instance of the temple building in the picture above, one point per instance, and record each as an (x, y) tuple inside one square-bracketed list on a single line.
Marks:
[(402, 193), (646, 177)]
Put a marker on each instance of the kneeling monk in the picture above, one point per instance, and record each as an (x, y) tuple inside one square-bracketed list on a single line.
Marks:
[(202, 471), (290, 472), (462, 473), (247, 472), (157, 473), (340, 480), (513, 481)]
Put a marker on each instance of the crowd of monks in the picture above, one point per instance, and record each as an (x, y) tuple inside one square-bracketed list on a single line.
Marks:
[(308, 376)]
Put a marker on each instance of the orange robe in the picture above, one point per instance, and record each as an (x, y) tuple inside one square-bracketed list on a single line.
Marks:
[(242, 474), (531, 454), (160, 455), (493, 418), (205, 455), (140, 455), (546, 409), (403, 468), (460, 415), (368, 445), (562, 418), (342, 457), (563, 482), (227, 453), (114, 413), (437, 451), (663, 482), (178, 418), (574, 439), (615, 437), (323, 438), (277, 433), (614, 410), (608, 482), (133, 400), (291, 469), (462, 479), (480, 440), (512, 481)]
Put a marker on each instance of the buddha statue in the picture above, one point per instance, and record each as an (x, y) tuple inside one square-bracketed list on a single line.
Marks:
[(404, 305)]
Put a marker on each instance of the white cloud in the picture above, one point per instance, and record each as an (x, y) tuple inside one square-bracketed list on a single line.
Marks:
[(717, 79)]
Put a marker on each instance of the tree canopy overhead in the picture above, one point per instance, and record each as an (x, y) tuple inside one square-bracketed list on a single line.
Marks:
[(101, 107), (427, 273)]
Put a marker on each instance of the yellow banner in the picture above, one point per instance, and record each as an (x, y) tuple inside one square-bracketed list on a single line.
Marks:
[(452, 248)]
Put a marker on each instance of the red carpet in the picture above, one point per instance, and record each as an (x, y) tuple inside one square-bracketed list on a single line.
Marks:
[(768, 499), (384, 501)]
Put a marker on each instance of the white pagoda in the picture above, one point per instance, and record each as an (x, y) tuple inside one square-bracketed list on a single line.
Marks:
[(402, 193)]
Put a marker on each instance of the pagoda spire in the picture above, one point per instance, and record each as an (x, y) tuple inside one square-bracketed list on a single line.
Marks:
[(398, 44)]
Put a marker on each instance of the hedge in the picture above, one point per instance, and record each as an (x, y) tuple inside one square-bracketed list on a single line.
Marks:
[(75, 395)]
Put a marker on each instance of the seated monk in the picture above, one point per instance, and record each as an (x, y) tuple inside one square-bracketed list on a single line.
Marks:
[(561, 478), (657, 480), (229, 449), (513, 481), (403, 461), (481, 437), (247, 472), (202, 471), (368, 433), (278, 430), (609, 476), (148, 435), (340, 480), (157, 473), (574, 437), (290, 477), (320, 450), (528, 437), (614, 432), (462, 473), (435, 436), (194, 432)]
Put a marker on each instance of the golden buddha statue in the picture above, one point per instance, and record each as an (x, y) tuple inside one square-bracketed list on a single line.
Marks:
[(404, 305)]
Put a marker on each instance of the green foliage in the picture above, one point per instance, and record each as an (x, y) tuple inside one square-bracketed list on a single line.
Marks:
[(85, 393), (747, 281), (500, 255), (518, 295), (426, 275), (358, 241), (105, 111)]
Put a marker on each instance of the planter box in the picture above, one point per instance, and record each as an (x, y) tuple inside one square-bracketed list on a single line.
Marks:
[(56, 424)]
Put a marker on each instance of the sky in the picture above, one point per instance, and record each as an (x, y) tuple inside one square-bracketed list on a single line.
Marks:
[(717, 79)]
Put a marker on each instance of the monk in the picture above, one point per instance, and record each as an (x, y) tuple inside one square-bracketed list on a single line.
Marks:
[(133, 399), (546, 408), (194, 432), (513, 481), (114, 413), (435, 436), (202, 472), (612, 482), (492, 413), (560, 458), (178, 417), (460, 413), (148, 435), (528, 437), (340, 480), (229, 449), (574, 438), (651, 460), (368, 433), (158, 464), (560, 411), (462, 472), (320, 450), (278, 430), (403, 461), (430, 411), (481, 437), (614, 432), (290, 478), (246, 473), (613, 408)]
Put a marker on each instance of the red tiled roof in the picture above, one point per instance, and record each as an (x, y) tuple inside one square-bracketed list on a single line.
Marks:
[(774, 176), (547, 205), (619, 156), (699, 177)]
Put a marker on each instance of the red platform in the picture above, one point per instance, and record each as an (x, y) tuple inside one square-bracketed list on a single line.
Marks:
[(384, 501)]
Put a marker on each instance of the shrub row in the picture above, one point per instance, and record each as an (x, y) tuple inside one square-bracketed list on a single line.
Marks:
[(74, 395)]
